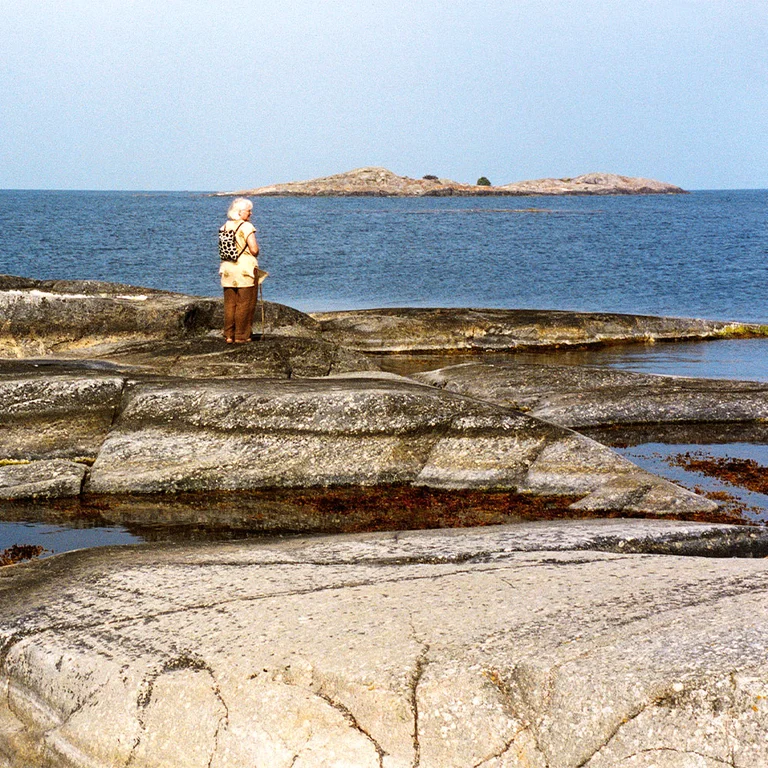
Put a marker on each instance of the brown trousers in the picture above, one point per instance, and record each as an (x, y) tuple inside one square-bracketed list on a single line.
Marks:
[(239, 306)]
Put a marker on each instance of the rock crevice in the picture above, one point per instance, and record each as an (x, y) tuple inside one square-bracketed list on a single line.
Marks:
[(585, 665)]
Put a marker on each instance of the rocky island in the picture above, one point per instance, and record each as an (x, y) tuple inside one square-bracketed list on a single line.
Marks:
[(380, 182), (602, 640)]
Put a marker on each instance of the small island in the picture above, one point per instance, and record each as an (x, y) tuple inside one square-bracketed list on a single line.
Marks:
[(381, 182)]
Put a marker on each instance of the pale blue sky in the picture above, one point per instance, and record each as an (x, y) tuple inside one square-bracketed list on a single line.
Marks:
[(140, 94)]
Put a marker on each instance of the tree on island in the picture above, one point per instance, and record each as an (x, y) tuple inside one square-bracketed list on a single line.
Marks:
[(483, 182), (430, 177)]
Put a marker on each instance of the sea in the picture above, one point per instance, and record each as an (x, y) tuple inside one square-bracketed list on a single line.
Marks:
[(702, 254), (698, 255)]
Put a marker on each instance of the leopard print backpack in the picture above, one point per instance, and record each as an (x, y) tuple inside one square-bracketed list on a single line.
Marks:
[(228, 250)]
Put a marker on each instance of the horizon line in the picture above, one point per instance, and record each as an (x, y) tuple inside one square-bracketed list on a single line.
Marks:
[(234, 194)]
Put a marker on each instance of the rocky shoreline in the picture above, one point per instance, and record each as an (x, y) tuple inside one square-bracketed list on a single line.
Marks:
[(566, 643), (113, 389), (381, 182)]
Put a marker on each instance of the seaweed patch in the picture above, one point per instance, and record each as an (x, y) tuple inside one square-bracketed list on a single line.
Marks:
[(745, 473), (19, 552)]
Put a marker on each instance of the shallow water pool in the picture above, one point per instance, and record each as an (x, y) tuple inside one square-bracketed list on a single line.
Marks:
[(62, 537)]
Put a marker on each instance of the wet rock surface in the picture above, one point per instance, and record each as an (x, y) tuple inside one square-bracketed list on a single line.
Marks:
[(682, 433), (219, 516), (506, 646)]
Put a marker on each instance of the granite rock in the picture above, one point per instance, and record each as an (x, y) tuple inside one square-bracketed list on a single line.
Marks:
[(42, 317), (369, 182), (375, 181), (41, 479), (47, 415), (162, 405), (498, 647), (580, 396), (594, 184), (150, 434), (494, 330), (203, 435), (45, 318)]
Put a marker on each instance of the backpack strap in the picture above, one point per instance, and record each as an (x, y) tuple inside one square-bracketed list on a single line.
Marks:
[(245, 247)]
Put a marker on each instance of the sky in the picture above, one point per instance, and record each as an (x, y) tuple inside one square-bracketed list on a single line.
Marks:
[(198, 95)]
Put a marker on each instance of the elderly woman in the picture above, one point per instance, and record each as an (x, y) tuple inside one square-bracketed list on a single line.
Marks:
[(239, 279)]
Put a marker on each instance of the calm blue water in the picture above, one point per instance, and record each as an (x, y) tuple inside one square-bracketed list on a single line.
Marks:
[(745, 359), (698, 255), (62, 537)]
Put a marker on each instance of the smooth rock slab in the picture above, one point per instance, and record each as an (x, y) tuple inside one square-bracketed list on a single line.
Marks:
[(46, 415), (267, 356), (38, 321), (487, 330), (41, 317), (207, 435), (491, 647), (580, 396), (41, 479)]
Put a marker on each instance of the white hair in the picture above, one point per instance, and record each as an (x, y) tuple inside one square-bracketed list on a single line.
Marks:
[(237, 206)]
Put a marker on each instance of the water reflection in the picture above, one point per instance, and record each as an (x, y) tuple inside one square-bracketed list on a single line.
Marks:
[(66, 524), (63, 537), (744, 359), (659, 459), (741, 359)]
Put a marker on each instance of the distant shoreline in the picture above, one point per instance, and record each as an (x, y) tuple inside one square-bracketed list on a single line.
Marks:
[(381, 182)]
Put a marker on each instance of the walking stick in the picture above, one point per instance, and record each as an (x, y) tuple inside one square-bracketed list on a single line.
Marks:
[(261, 276), (261, 295)]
